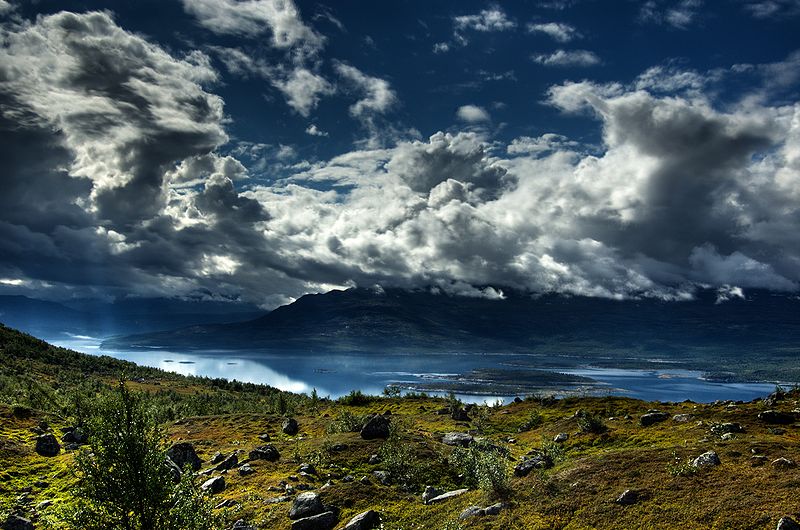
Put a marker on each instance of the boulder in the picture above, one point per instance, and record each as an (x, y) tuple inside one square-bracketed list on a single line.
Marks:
[(241, 524), (524, 468), (245, 470), (472, 511), (47, 445), (290, 426), (305, 505), (15, 522), (447, 496), (787, 523), (459, 414), (651, 418), (308, 469), (429, 493), (229, 462), (76, 435), (374, 460), (776, 417), (461, 439), (217, 458), (174, 471), (214, 485), (627, 498), (376, 427), (182, 454), (323, 521), (265, 452), (364, 521), (682, 418), (707, 459), (561, 437), (494, 509), (783, 463)]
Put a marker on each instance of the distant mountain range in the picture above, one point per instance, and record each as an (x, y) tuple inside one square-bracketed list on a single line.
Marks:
[(400, 320)]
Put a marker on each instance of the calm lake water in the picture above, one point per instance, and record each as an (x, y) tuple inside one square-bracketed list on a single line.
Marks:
[(337, 374)]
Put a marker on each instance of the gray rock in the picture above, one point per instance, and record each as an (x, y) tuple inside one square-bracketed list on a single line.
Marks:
[(305, 505), (776, 417), (457, 439), (376, 427), (264, 437), (290, 426), (783, 463), (245, 470), (459, 414), (217, 458), (682, 418), (15, 522), (278, 500), (174, 471), (707, 459), (429, 493), (307, 469), (364, 521), (228, 463), (447, 496), (76, 435), (494, 509), (241, 524), (47, 445), (525, 467), (651, 418), (323, 521), (472, 511), (758, 460), (561, 437), (627, 498), (728, 436), (182, 454), (214, 485), (44, 504), (265, 452), (787, 523), (374, 460), (382, 477), (227, 503)]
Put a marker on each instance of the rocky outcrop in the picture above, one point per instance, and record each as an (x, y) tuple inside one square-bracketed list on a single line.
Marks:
[(184, 453), (364, 521)]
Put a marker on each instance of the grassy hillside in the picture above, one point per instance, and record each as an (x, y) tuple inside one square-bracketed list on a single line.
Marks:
[(607, 451)]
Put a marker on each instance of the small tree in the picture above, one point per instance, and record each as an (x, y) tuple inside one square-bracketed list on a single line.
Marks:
[(125, 483)]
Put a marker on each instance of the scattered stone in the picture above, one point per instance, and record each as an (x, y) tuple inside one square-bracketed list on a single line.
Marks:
[(307, 468), (265, 452), (245, 470), (447, 496), (47, 445), (374, 460), (365, 480), (728, 436), (44, 504), (382, 477), (323, 521), (241, 524), (217, 458), (364, 521), (227, 503), (457, 439), (787, 523), (494, 509), (214, 485), (182, 454), (561, 437), (776, 417), (627, 498), (305, 505), (278, 500), (524, 468), (707, 459), (15, 522), (459, 414), (376, 427), (229, 462), (651, 418), (472, 511), (429, 493), (682, 418), (348, 478), (783, 463), (290, 426), (758, 460), (264, 437)]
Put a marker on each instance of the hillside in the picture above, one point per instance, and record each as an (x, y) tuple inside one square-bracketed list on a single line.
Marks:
[(608, 446), (758, 336)]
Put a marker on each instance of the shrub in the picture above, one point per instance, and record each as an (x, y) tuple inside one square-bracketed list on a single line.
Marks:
[(591, 423), (346, 421), (392, 391), (553, 452), (533, 421), (680, 467), (356, 398), (481, 467)]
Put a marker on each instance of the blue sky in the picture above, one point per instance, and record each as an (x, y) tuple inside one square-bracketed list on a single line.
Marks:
[(261, 149)]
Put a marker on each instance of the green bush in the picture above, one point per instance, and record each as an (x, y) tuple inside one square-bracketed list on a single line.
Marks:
[(591, 423), (356, 398), (481, 467), (680, 467), (533, 421), (404, 467), (346, 421)]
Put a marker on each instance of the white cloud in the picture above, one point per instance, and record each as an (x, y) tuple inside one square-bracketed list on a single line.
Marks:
[(472, 114), (313, 130), (557, 30), (378, 96), (5, 7), (568, 58), (772, 8), (680, 15), (303, 90), (493, 19)]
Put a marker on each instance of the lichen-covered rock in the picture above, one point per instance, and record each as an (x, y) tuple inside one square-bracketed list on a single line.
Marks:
[(376, 427), (707, 459), (290, 426), (447, 496), (265, 452), (305, 505), (214, 485), (364, 521), (47, 445), (184, 453)]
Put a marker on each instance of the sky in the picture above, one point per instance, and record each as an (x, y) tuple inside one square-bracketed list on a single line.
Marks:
[(258, 150)]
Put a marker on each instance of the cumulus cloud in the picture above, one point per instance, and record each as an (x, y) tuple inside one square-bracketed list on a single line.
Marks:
[(377, 95), (559, 31), (568, 58), (493, 19), (303, 90), (679, 16), (472, 114), (313, 130)]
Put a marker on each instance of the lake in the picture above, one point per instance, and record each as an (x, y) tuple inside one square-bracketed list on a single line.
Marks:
[(337, 374)]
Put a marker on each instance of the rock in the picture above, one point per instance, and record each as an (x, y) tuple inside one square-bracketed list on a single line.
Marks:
[(264, 437), (47, 445), (365, 480), (290, 426), (214, 485), (265, 452), (76, 435), (758, 460), (779, 431), (376, 427), (228, 463), (627, 498), (707, 459), (728, 436), (348, 478), (459, 414), (776, 417), (217, 458), (307, 468), (44, 504), (682, 418), (783, 463), (382, 477), (277, 500), (323, 521), (305, 505), (429, 493), (524, 468), (472, 511), (443, 412), (174, 471), (447, 496), (374, 460), (457, 438), (182, 454), (651, 418), (787, 523), (15, 522), (494, 509), (561, 437), (241, 524), (227, 503), (364, 521), (338, 448), (245, 470)]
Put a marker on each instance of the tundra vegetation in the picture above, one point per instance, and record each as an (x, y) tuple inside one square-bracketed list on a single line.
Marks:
[(94, 442)]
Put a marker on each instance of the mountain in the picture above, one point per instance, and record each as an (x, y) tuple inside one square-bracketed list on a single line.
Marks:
[(420, 320)]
